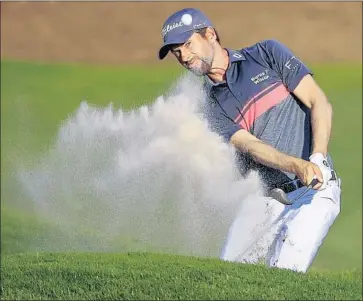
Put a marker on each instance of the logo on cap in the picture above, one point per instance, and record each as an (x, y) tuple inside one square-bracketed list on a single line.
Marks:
[(187, 19), (170, 27)]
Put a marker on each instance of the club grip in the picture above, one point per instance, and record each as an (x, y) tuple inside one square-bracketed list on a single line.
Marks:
[(314, 182)]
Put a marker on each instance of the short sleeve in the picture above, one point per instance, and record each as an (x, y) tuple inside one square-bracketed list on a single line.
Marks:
[(283, 61)]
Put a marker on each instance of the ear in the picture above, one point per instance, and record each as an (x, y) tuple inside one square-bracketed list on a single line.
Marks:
[(211, 35)]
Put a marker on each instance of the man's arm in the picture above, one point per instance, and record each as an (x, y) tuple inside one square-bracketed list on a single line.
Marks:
[(264, 153), (309, 93), (321, 113), (298, 79), (270, 156)]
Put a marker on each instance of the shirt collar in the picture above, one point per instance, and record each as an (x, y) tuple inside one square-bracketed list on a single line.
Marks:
[(211, 83), (234, 56)]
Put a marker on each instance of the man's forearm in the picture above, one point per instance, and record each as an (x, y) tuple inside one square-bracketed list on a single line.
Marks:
[(270, 156), (321, 119)]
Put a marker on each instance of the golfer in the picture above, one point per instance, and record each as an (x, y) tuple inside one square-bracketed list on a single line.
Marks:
[(264, 101)]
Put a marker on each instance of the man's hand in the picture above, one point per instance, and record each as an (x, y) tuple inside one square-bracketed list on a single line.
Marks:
[(269, 156), (306, 171), (322, 163)]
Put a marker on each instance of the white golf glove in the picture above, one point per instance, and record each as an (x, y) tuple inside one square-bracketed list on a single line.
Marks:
[(322, 163)]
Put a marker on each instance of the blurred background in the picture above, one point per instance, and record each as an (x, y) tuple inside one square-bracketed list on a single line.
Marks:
[(129, 32), (54, 55)]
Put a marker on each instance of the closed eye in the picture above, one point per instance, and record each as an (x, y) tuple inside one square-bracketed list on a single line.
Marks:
[(177, 53)]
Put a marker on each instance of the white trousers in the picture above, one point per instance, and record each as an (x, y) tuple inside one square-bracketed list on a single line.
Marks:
[(283, 236)]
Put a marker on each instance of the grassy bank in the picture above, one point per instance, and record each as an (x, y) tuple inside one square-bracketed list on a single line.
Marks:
[(163, 277)]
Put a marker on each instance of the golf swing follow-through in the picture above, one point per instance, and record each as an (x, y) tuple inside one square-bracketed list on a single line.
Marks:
[(264, 101)]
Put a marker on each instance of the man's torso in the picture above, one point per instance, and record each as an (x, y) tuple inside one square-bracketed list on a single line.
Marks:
[(255, 98)]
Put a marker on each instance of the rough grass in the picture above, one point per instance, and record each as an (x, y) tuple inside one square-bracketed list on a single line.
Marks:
[(164, 277)]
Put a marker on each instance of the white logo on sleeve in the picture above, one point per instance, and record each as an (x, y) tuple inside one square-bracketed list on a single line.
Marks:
[(292, 63)]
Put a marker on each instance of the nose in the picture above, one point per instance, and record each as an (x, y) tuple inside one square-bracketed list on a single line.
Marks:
[(184, 54)]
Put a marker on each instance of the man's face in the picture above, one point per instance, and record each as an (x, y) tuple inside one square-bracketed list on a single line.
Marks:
[(196, 54)]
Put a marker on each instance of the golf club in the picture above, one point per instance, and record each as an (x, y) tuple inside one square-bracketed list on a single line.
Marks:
[(280, 195)]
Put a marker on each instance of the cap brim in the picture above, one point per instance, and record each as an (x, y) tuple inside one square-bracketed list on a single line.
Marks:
[(180, 39), (163, 52)]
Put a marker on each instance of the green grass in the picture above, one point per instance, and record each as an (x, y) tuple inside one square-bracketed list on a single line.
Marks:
[(164, 277), (36, 98)]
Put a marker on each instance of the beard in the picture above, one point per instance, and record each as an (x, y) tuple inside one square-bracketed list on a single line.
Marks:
[(203, 68)]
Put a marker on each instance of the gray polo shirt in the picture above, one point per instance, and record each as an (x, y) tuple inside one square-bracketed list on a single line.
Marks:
[(257, 97)]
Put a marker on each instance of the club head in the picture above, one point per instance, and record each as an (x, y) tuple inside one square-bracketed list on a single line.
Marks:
[(279, 195)]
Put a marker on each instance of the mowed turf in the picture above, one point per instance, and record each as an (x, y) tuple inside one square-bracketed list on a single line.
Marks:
[(146, 276), (36, 98)]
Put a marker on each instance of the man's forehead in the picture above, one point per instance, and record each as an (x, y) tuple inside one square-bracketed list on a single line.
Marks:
[(176, 46), (193, 37)]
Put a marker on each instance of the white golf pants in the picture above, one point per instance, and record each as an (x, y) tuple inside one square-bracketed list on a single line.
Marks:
[(283, 236)]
